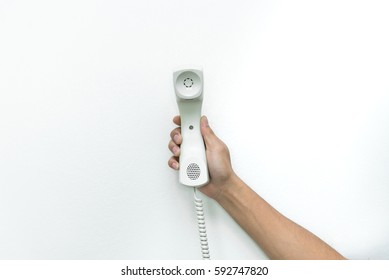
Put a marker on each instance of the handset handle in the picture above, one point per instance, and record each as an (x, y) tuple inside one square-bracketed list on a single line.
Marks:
[(193, 162)]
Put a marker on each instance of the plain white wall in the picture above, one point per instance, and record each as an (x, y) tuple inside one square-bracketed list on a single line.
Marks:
[(297, 89)]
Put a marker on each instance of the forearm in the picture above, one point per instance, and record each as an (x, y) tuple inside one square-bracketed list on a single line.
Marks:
[(279, 237)]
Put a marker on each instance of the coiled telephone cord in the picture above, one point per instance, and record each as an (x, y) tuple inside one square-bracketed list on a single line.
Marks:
[(201, 224)]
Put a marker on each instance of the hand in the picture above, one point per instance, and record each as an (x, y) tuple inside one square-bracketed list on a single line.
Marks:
[(217, 153)]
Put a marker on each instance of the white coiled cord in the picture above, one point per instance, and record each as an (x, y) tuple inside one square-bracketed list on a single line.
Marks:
[(201, 223)]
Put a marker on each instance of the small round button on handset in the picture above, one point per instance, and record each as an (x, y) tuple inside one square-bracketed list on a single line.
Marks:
[(191, 127)]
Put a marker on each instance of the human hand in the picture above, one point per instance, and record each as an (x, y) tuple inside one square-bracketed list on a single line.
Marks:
[(217, 153)]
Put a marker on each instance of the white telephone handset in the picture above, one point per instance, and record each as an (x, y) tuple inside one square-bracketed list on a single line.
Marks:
[(193, 172), (188, 86)]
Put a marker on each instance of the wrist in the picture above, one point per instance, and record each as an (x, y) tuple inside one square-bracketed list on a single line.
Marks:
[(228, 189)]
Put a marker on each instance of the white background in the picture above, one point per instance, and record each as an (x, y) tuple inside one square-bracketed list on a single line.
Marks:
[(297, 89)]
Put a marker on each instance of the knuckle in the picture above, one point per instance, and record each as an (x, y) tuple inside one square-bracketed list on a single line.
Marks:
[(172, 145), (174, 132), (170, 162), (222, 148)]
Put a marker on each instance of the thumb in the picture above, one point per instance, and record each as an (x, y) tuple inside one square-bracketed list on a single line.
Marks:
[(206, 131)]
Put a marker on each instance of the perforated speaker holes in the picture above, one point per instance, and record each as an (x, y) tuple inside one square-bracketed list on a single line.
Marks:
[(193, 171), (188, 82)]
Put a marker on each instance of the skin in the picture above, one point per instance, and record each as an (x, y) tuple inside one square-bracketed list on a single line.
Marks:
[(278, 236)]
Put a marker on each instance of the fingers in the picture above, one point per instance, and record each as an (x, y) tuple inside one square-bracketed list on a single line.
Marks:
[(174, 148), (175, 135), (173, 163), (174, 144), (177, 120)]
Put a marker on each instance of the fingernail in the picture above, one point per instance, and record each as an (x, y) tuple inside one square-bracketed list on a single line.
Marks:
[(175, 150), (175, 165), (176, 138)]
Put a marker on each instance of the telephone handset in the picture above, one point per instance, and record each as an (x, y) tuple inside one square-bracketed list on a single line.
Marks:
[(188, 86)]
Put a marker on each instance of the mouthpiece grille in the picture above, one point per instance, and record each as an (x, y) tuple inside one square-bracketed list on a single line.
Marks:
[(193, 171)]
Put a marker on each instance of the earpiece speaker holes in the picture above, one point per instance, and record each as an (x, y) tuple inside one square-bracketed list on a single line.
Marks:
[(188, 82)]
